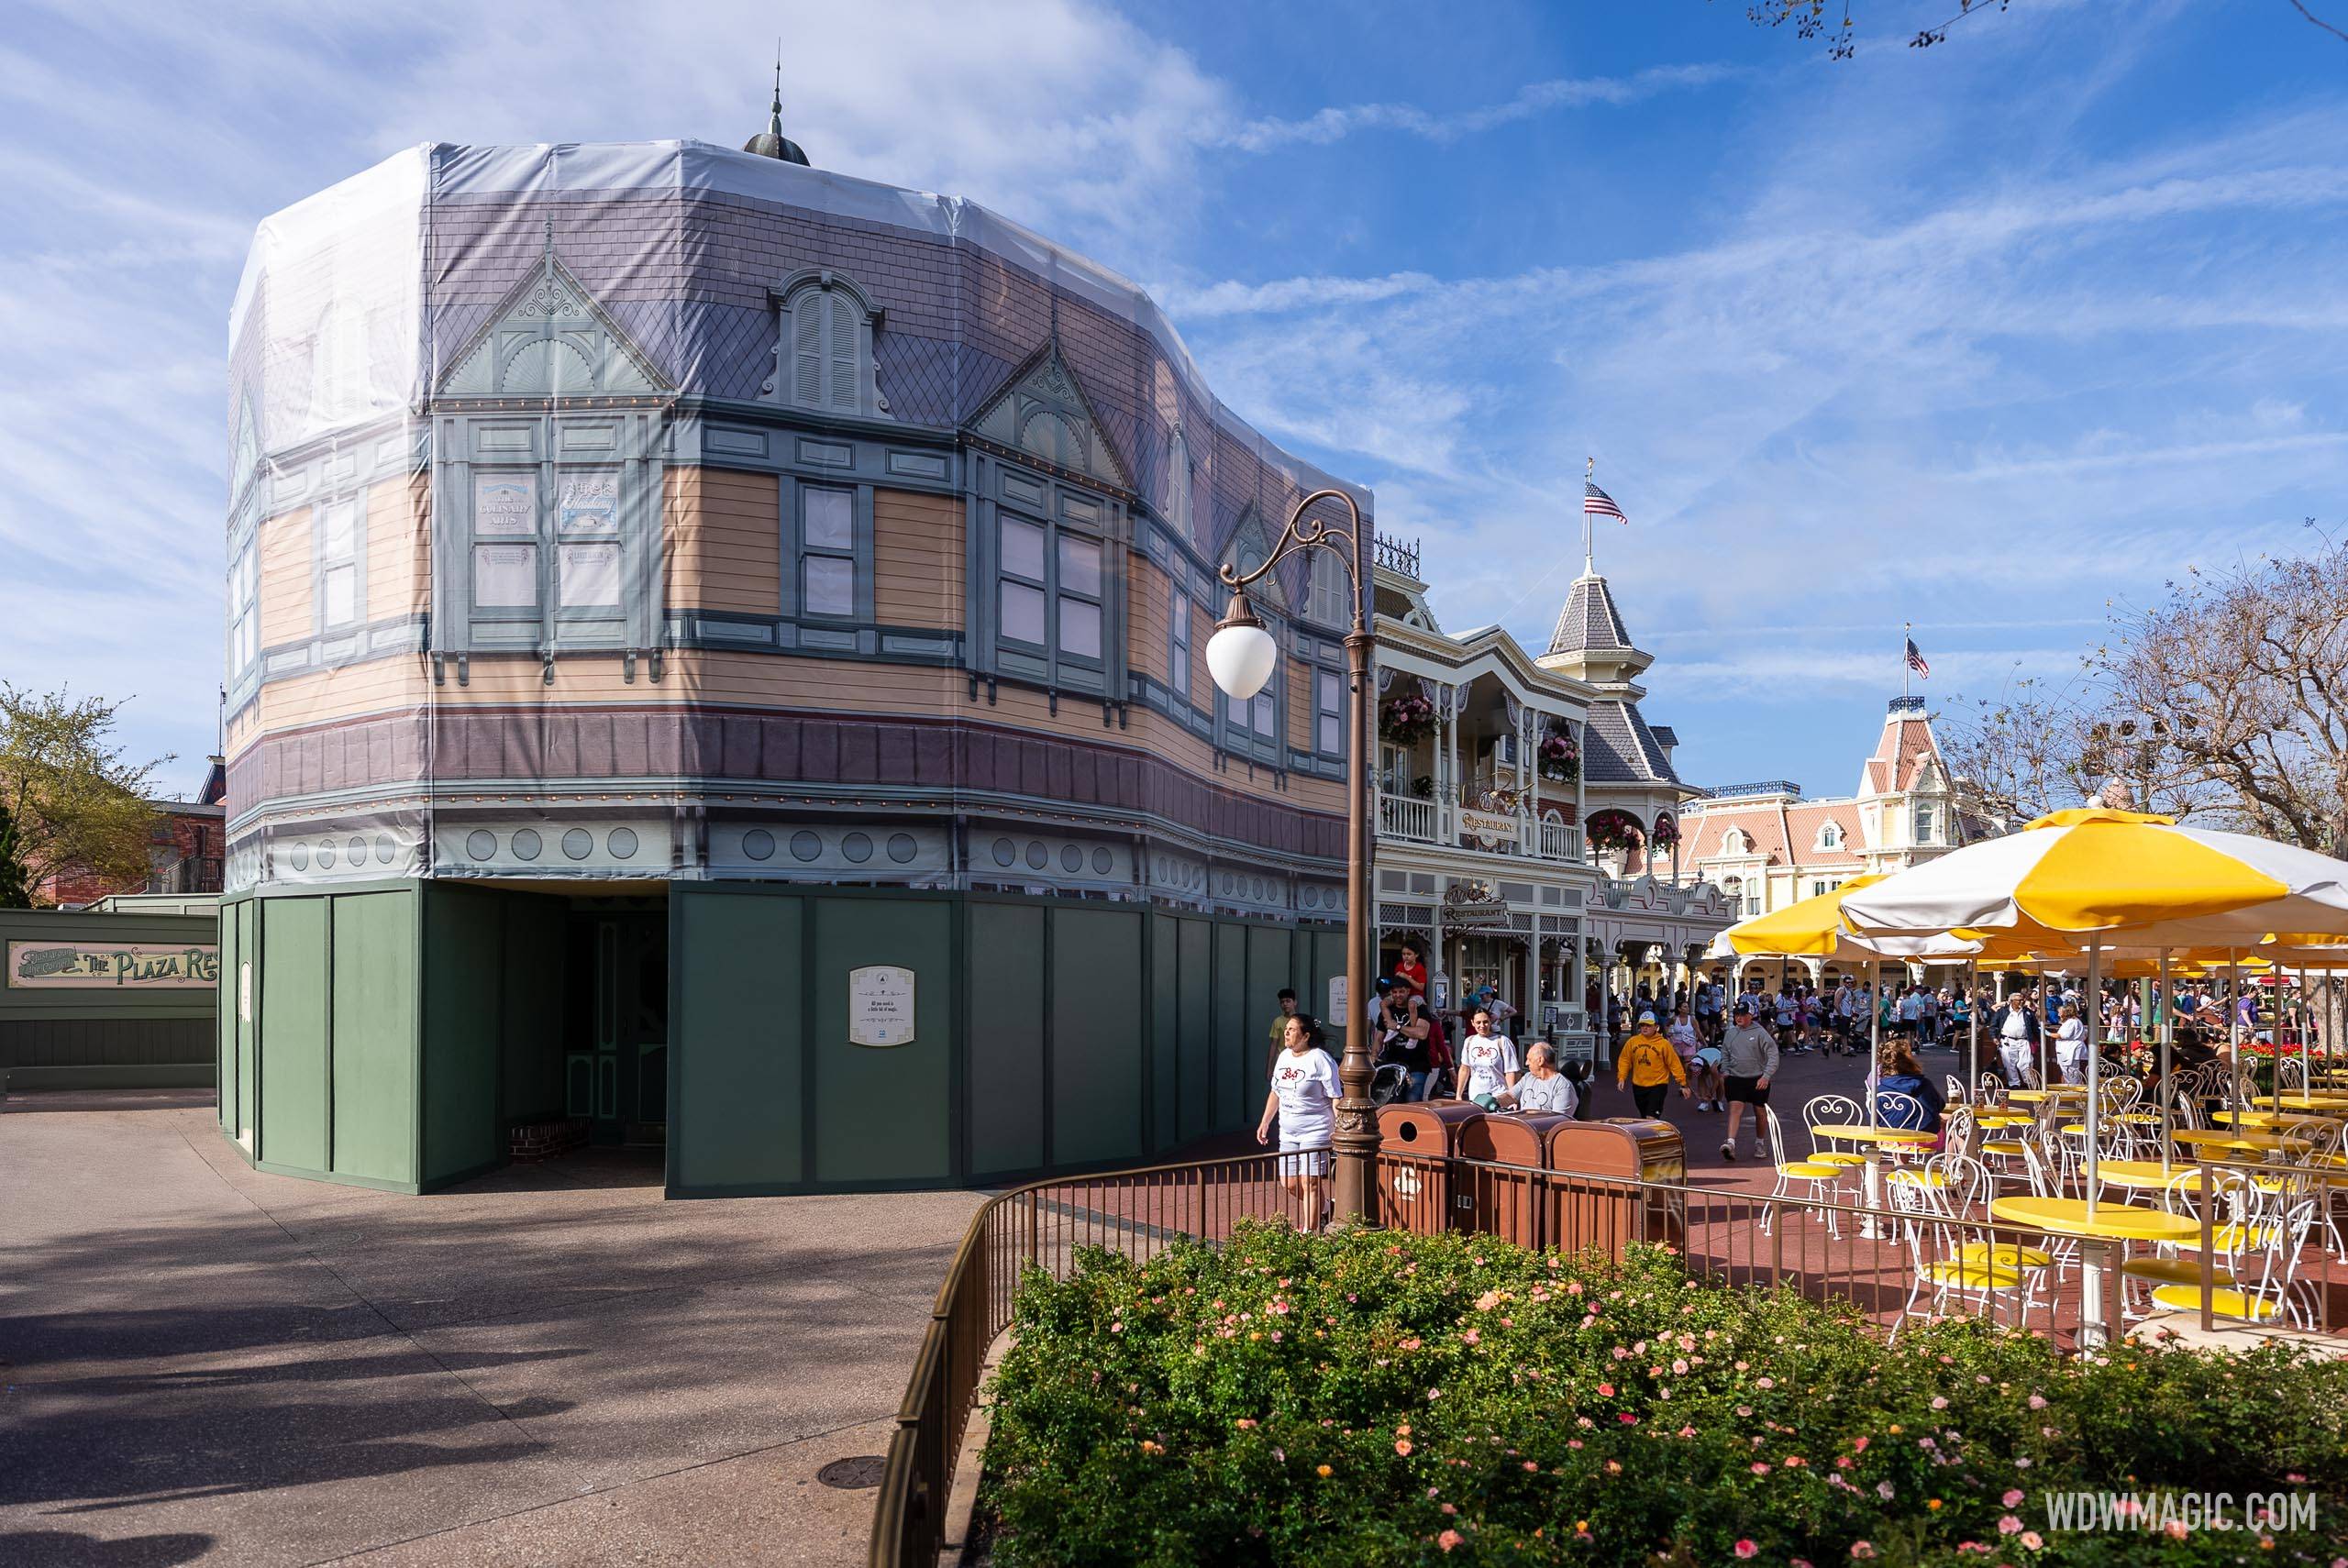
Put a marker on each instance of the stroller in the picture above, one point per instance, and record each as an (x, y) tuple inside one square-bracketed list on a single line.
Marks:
[(1389, 1084)]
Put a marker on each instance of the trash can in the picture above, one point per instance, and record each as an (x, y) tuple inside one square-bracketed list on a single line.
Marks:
[(1604, 1208), (1415, 1143), (1507, 1204)]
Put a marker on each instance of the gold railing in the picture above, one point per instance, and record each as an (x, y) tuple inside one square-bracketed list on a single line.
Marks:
[(1824, 1248)]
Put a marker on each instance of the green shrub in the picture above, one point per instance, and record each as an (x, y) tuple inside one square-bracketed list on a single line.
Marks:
[(1382, 1398)]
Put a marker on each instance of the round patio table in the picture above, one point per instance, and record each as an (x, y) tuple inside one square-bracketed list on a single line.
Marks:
[(2265, 1119), (2142, 1175), (2319, 1102), (2110, 1228), (1878, 1138), (2258, 1143), (2052, 1091)]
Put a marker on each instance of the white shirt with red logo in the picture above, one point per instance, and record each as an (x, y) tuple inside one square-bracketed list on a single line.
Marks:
[(1306, 1083)]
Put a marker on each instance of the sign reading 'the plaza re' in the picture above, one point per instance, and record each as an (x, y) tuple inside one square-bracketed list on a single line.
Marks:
[(879, 1006), (135, 965)]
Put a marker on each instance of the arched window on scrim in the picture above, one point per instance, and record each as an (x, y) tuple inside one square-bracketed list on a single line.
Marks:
[(825, 360), (1325, 604)]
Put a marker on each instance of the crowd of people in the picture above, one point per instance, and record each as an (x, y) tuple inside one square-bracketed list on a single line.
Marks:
[(1721, 1052)]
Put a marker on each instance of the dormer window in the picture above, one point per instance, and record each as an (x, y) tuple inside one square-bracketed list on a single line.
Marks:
[(1178, 485), (1830, 836), (1734, 842), (1326, 606), (824, 349)]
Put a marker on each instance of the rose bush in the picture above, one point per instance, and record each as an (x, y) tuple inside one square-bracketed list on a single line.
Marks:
[(1382, 1398)]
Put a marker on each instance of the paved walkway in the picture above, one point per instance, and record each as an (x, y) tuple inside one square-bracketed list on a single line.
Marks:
[(547, 1365)]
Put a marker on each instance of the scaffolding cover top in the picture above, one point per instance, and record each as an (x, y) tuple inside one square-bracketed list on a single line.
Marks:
[(351, 274)]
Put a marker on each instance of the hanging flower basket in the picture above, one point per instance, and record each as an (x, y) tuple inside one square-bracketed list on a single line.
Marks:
[(1405, 721), (1611, 831), (1665, 833), (1560, 759)]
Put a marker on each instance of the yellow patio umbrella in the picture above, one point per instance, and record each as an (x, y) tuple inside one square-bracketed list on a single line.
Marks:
[(2099, 879), (1814, 928), (2124, 877)]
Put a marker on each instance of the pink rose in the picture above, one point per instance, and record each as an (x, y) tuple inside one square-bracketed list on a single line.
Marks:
[(1746, 1548)]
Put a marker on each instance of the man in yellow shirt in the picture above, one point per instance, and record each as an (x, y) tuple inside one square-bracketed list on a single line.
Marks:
[(1650, 1065)]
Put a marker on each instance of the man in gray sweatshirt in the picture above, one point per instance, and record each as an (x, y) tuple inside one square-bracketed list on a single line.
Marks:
[(1749, 1053)]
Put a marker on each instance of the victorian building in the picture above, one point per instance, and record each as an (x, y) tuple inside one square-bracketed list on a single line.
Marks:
[(1518, 802), (1766, 847), (715, 656)]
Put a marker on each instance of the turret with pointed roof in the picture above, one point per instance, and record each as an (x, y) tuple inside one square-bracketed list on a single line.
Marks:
[(1591, 644), (770, 142)]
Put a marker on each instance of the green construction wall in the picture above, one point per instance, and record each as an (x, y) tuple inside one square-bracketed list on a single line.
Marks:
[(373, 1056), (1050, 1035), (114, 1036), (397, 1031)]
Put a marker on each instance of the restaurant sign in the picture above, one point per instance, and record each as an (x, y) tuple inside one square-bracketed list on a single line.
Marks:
[(1487, 827), (132, 965), (1473, 906)]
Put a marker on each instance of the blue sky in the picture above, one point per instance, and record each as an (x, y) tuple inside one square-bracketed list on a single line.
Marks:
[(1985, 336)]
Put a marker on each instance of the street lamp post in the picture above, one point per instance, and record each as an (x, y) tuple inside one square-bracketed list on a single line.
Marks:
[(1242, 656)]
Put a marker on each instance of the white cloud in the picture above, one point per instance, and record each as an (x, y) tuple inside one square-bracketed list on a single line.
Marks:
[(1340, 121)]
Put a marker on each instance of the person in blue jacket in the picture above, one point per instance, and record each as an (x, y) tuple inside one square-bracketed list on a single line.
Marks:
[(1898, 1074)]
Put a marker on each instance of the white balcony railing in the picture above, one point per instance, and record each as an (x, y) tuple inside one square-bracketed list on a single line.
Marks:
[(1412, 820), (1406, 816), (1560, 841)]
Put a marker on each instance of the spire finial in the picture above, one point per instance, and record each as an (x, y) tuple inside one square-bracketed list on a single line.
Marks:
[(1589, 550), (774, 110)]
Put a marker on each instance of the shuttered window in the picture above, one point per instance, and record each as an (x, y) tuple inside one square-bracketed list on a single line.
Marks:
[(1326, 604), (830, 356)]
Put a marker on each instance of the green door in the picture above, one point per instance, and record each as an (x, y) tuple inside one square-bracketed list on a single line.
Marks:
[(616, 1066)]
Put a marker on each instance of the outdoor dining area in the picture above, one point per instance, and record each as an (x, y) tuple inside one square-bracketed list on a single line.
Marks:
[(2205, 1193)]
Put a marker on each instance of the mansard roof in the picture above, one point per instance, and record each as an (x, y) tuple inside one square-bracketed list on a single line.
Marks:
[(1589, 621), (1620, 748)]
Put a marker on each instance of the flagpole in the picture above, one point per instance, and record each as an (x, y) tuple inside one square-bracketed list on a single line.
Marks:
[(1907, 635), (1588, 555)]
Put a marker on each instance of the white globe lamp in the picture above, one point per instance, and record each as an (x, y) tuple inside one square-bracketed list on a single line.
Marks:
[(1241, 653)]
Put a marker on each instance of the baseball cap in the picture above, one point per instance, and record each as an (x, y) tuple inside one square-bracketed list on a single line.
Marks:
[(1745, 1008), (1646, 1015)]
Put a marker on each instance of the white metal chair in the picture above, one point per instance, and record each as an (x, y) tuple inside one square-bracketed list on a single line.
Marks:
[(1829, 1110), (1800, 1178), (1951, 1256)]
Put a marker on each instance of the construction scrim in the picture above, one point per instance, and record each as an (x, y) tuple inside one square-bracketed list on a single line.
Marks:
[(482, 468)]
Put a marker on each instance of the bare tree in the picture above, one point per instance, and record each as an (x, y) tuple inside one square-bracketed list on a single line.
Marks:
[(1827, 20), (2227, 701), (2249, 667)]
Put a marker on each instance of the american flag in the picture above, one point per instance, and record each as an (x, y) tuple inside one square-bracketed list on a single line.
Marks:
[(1916, 660), (1596, 503)]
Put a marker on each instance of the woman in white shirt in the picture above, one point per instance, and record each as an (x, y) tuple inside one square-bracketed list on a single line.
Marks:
[(1487, 1062), (1542, 1088), (2071, 1047), (1304, 1103)]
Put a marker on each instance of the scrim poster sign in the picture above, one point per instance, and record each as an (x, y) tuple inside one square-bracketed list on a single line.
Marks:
[(879, 1006), (133, 965)]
